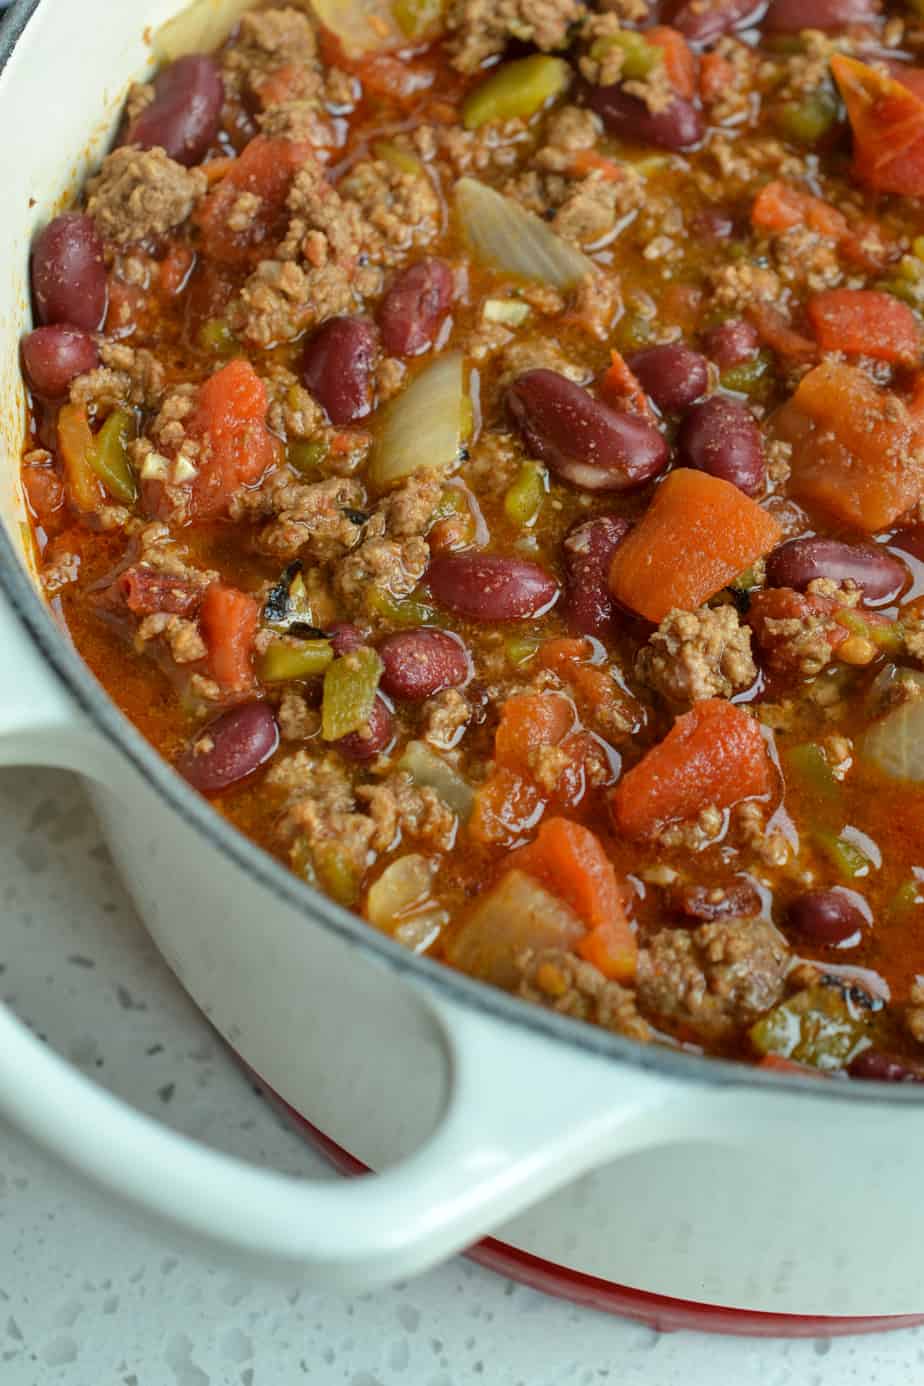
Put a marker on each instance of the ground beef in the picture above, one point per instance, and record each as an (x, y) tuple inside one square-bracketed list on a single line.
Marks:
[(806, 261), (564, 983), (128, 375), (796, 633), (772, 848), (445, 718), (274, 57), (713, 980), (311, 520), (380, 567), (399, 808), (408, 510), (180, 635), (738, 285), (293, 412), (481, 29), (698, 654), (399, 210), (297, 720), (141, 193)]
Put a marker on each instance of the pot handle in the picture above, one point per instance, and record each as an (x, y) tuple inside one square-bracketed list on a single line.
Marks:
[(524, 1116)]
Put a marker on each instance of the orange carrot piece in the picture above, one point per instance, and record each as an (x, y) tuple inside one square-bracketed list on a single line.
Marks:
[(231, 413), (779, 207), (679, 60), (265, 168), (696, 536), (887, 119), (528, 721), (620, 386), (713, 754), (776, 333), (855, 450), (507, 806), (865, 321), (229, 620)]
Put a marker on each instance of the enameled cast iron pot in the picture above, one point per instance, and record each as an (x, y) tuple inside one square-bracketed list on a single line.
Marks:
[(616, 1173)]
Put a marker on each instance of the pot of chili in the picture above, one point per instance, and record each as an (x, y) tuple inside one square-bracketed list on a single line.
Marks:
[(481, 487)]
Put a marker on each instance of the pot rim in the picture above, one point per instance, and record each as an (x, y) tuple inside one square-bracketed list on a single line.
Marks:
[(35, 616)]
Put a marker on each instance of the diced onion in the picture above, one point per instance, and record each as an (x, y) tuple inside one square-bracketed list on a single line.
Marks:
[(507, 237), (362, 26), (422, 427), (430, 771), (198, 29), (507, 311), (895, 745), (402, 886)]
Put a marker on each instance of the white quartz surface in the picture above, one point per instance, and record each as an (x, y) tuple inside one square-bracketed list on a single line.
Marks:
[(90, 1298)]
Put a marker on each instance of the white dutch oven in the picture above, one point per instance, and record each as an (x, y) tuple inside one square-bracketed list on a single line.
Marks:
[(596, 1161)]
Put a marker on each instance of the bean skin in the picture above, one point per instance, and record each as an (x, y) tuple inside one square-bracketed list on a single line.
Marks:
[(346, 638), (704, 23), (880, 575), (54, 356), (826, 917), (679, 126), (242, 740), (380, 730), (490, 587), (68, 273), (338, 365), (415, 306), (715, 222), (420, 663), (719, 436), (674, 376), (588, 552), (185, 115), (881, 1067), (791, 16), (731, 343), (581, 439)]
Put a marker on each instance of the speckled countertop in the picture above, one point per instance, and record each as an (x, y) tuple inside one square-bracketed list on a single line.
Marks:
[(89, 1298)]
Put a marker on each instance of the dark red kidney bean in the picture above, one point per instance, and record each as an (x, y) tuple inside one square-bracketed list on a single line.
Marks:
[(798, 562), (704, 903), (703, 21), (490, 587), (825, 916), (790, 16), (185, 115), (68, 273), (588, 551), (415, 306), (882, 1067), (373, 740), (719, 436), (419, 663), (54, 356), (673, 375), (242, 740), (338, 365), (716, 222), (346, 638), (679, 126), (581, 439), (731, 343)]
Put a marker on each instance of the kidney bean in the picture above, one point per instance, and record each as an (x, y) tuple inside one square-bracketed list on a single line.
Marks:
[(68, 273), (674, 375), (703, 903), (731, 343), (377, 735), (679, 126), (413, 309), (337, 367), (703, 21), (346, 638), (588, 552), (719, 436), (716, 222), (582, 439), (882, 1067), (53, 356), (242, 739), (825, 916), (185, 115), (419, 663), (879, 574), (490, 587), (790, 16)]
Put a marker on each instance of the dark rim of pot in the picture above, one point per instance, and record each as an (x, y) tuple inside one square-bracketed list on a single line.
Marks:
[(103, 714)]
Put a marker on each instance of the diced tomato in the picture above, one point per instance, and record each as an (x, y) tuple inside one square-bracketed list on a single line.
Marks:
[(528, 721), (621, 388), (679, 59), (775, 332), (779, 207), (265, 168), (506, 807), (175, 268), (783, 604), (715, 77), (146, 590), (867, 322), (230, 417), (887, 119), (229, 621)]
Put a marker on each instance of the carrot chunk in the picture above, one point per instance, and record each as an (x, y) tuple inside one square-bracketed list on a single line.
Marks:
[(865, 321), (887, 120), (570, 861), (855, 452), (231, 414), (697, 535), (229, 623), (713, 754)]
